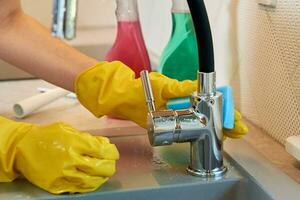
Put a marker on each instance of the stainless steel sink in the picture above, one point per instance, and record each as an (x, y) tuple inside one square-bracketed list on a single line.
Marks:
[(160, 173)]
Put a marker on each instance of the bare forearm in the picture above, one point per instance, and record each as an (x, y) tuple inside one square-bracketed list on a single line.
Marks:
[(30, 46)]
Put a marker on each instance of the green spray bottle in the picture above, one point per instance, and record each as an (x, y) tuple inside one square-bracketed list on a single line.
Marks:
[(179, 59)]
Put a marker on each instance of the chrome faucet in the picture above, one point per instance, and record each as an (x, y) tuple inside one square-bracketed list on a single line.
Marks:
[(201, 124), (64, 18)]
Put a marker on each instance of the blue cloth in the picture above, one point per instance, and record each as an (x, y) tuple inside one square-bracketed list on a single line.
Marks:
[(228, 105)]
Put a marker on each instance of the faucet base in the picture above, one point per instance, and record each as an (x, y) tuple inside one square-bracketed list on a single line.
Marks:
[(217, 172)]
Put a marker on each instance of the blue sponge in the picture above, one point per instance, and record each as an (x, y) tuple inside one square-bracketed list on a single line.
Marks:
[(228, 105)]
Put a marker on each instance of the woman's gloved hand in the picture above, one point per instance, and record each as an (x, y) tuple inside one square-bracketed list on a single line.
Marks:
[(110, 88), (240, 129), (56, 157)]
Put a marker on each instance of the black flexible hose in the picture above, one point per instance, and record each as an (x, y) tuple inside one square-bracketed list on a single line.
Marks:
[(203, 34)]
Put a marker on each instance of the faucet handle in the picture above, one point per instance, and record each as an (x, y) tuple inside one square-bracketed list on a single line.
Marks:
[(148, 91), (165, 120)]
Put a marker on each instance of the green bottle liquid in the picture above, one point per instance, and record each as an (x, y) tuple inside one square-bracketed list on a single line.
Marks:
[(179, 59)]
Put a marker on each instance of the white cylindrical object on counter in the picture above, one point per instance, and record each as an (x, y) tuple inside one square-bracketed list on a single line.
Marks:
[(70, 95), (27, 106)]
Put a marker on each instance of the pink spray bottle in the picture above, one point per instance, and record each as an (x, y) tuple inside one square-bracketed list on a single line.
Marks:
[(129, 46)]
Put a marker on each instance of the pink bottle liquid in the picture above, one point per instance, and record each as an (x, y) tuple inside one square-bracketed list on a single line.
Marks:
[(129, 46)]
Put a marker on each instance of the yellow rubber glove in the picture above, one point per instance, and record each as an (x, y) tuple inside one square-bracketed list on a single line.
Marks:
[(110, 88), (56, 157), (240, 129)]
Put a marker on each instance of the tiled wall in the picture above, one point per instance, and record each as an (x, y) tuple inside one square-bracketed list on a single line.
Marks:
[(266, 78)]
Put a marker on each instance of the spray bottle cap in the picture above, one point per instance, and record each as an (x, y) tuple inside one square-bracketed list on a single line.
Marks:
[(180, 6)]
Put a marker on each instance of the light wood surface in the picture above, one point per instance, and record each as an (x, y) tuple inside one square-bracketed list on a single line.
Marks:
[(273, 151), (71, 112), (65, 109)]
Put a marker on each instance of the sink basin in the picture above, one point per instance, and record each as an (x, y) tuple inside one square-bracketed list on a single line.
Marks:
[(160, 173)]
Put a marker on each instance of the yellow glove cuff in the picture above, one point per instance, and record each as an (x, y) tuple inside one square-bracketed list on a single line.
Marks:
[(11, 133)]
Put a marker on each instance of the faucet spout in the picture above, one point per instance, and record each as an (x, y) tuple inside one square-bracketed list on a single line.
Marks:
[(203, 35)]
